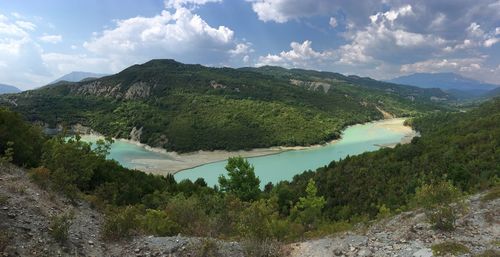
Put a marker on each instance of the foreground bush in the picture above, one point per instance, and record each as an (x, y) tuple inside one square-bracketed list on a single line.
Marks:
[(59, 226), (442, 204)]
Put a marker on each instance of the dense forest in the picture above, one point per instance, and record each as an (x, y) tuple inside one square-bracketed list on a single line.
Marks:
[(457, 153), (190, 107)]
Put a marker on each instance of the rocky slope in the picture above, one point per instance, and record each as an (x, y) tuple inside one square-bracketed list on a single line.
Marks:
[(409, 234), (26, 211)]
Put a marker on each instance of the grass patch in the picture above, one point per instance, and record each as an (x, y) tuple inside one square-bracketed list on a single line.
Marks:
[(488, 253), (3, 199), (59, 226), (492, 194), (445, 248)]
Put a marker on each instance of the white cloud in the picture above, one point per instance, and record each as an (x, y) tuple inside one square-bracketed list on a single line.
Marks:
[(26, 25), (53, 39), (333, 22), (241, 49), (491, 41), (301, 55), (181, 35), (182, 3)]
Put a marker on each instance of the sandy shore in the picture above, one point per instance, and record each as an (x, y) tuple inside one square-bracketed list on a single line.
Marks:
[(175, 162)]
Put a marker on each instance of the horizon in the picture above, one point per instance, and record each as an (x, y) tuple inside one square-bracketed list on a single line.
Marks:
[(42, 41)]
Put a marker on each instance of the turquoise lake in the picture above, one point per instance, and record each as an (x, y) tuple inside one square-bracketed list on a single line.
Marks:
[(276, 167), (283, 166)]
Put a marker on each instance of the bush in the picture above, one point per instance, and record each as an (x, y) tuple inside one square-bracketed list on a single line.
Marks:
[(449, 248), (4, 240), (121, 223), (267, 248), (59, 226), (158, 223), (186, 212), (437, 200), (40, 176), (208, 248)]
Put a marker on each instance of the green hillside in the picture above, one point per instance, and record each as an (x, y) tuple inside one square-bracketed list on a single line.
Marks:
[(186, 107), (463, 148)]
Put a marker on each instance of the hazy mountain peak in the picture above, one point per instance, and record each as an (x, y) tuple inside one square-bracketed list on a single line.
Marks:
[(77, 76), (7, 89), (447, 81)]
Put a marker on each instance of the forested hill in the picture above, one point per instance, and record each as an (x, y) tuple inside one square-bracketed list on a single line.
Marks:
[(463, 148), (186, 107)]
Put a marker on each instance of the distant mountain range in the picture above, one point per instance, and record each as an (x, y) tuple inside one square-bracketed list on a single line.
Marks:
[(77, 76), (7, 89), (456, 85)]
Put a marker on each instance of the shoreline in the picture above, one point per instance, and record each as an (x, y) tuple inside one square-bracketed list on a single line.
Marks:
[(176, 162)]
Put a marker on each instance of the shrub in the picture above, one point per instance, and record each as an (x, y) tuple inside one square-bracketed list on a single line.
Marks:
[(449, 248), (488, 253), (208, 248), (158, 223), (493, 194), (437, 200), (59, 226), (4, 240), (267, 248), (186, 212), (40, 176), (121, 223)]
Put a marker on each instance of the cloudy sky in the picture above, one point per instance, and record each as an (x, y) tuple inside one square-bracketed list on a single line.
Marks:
[(42, 40)]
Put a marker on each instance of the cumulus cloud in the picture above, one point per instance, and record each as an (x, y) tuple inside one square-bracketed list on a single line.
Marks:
[(390, 37), (181, 35), (53, 39), (333, 22), (301, 55)]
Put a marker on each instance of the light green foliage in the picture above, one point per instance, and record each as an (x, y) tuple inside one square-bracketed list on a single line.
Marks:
[(122, 222), (157, 223), (437, 199), (308, 208), (256, 221), (241, 179), (59, 226), (8, 155), (449, 248), (493, 194)]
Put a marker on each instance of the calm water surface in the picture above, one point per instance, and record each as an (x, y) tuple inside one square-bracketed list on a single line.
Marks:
[(272, 168)]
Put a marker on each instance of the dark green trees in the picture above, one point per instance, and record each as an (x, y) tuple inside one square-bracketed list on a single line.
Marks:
[(242, 180)]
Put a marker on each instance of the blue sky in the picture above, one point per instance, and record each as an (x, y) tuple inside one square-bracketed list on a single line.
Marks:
[(42, 40)]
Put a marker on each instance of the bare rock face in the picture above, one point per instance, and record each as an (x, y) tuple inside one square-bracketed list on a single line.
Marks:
[(138, 90), (312, 85), (135, 134), (216, 85), (97, 88)]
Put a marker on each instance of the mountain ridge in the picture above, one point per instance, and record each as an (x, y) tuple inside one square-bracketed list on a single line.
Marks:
[(8, 89), (189, 107), (452, 83)]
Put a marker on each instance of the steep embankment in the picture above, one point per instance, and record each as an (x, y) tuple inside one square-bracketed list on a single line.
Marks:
[(185, 108), (27, 213), (410, 234)]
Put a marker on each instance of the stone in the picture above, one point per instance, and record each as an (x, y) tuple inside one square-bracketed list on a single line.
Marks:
[(425, 252)]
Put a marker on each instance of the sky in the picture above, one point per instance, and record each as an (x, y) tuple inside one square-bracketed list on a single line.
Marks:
[(43, 40)]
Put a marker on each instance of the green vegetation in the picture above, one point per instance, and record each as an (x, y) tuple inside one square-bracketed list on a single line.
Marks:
[(446, 248), (457, 152), (488, 253), (493, 194), (59, 226), (463, 148), (190, 107), (242, 180), (437, 199)]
